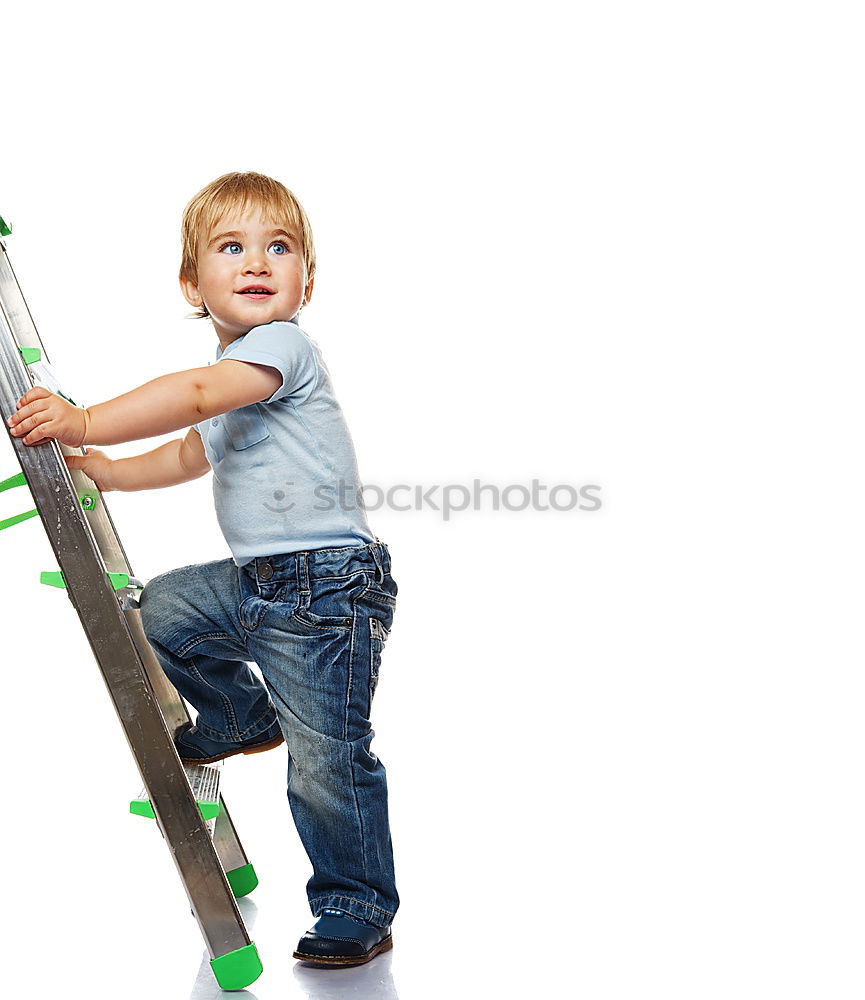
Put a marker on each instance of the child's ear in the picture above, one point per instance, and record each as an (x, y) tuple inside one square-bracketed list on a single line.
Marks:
[(191, 292), (308, 295)]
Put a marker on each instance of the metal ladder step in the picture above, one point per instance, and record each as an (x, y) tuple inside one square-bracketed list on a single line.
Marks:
[(204, 782)]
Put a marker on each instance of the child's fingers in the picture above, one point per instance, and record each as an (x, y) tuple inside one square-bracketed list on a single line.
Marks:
[(22, 416), (29, 418), (33, 429), (20, 429), (37, 434), (37, 392)]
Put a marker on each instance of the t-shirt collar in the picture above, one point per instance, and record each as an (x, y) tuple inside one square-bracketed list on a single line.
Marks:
[(219, 351)]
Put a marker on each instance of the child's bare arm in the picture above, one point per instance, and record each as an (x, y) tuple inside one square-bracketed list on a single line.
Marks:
[(175, 462), (165, 404)]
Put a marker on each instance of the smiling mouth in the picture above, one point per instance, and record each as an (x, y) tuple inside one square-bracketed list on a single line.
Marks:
[(256, 291)]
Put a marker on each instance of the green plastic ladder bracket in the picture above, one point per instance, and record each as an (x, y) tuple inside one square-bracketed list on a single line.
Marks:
[(142, 807), (17, 519), (88, 498), (17, 480), (242, 880), (87, 502), (4, 229), (30, 355), (119, 581), (238, 969)]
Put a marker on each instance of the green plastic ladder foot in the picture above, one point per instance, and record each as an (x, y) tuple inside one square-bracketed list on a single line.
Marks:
[(237, 969), (242, 880)]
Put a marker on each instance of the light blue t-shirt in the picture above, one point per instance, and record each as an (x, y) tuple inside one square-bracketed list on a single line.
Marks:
[(285, 475)]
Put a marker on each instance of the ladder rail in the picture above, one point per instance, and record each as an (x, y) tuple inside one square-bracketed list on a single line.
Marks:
[(228, 846), (87, 547), (12, 302)]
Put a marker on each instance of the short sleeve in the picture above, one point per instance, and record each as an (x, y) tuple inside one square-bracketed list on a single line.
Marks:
[(282, 346)]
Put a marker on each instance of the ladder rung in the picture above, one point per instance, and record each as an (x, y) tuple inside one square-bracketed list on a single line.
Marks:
[(204, 782), (118, 581)]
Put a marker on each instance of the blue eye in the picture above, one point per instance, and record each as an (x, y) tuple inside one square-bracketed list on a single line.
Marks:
[(225, 246), (283, 249)]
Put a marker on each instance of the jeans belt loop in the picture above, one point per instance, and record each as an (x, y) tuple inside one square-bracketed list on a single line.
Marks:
[(377, 556), (302, 564)]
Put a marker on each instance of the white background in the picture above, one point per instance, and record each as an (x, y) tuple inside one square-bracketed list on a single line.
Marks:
[(618, 244)]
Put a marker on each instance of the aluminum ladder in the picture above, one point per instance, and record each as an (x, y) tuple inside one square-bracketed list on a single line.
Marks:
[(95, 572)]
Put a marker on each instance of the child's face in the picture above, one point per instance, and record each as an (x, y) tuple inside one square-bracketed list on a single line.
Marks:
[(243, 252)]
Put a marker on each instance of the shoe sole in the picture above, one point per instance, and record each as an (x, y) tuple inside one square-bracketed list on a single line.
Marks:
[(324, 960), (255, 748)]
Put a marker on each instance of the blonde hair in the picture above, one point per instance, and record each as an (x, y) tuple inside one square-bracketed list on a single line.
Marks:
[(240, 191)]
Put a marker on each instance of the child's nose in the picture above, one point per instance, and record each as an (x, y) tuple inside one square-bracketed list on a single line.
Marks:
[(256, 263)]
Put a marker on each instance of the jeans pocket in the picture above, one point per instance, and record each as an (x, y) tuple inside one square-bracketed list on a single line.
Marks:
[(331, 602), (310, 618), (378, 634), (383, 592)]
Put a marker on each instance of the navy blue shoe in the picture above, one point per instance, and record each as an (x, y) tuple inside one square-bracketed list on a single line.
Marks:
[(196, 748), (337, 938)]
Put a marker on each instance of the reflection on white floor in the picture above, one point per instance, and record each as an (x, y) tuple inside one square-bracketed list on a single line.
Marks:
[(294, 979), (371, 980)]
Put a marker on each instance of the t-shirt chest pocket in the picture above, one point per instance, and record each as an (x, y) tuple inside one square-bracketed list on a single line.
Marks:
[(245, 427)]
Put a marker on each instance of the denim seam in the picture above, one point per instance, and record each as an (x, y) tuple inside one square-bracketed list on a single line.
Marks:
[(377, 597), (246, 734), (199, 638), (341, 576), (350, 688), (345, 548), (350, 899), (359, 815), (314, 578), (259, 615), (226, 702), (349, 693), (374, 651), (299, 616), (193, 669)]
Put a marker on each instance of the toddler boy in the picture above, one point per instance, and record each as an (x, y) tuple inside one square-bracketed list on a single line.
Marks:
[(307, 593)]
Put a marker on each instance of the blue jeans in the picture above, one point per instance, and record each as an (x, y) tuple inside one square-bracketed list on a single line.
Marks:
[(315, 623)]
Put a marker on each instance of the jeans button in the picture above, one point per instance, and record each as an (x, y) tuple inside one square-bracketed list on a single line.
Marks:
[(265, 571)]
